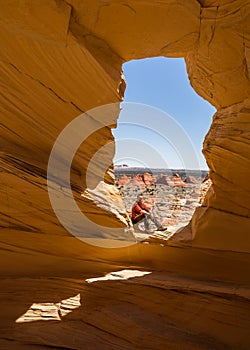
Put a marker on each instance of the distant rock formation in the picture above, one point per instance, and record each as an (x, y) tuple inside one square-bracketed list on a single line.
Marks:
[(164, 180), (124, 180), (191, 180), (177, 181), (148, 179), (137, 180)]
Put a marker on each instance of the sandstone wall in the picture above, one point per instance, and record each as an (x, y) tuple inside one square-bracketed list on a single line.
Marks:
[(219, 71), (214, 39), (59, 59), (48, 78)]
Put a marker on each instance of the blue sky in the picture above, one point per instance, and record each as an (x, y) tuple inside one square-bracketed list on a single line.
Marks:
[(163, 84)]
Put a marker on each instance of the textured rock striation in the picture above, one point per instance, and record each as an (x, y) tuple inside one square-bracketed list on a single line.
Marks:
[(59, 59), (213, 36), (219, 71)]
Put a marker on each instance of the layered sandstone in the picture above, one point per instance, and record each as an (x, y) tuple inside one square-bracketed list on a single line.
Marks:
[(59, 59)]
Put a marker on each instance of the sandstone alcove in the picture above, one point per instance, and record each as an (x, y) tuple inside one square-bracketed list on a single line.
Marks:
[(59, 59), (213, 69)]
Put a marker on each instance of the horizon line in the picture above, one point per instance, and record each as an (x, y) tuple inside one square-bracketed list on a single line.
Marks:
[(140, 167)]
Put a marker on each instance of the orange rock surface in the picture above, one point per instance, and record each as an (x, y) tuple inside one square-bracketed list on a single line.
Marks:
[(164, 180), (59, 59), (124, 180), (177, 181), (149, 179)]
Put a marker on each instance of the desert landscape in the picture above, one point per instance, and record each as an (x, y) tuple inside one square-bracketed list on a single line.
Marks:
[(172, 195), (62, 59)]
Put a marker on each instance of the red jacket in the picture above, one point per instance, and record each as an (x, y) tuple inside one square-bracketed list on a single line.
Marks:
[(137, 209)]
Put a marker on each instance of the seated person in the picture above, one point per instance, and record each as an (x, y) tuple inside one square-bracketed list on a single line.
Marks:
[(141, 211)]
